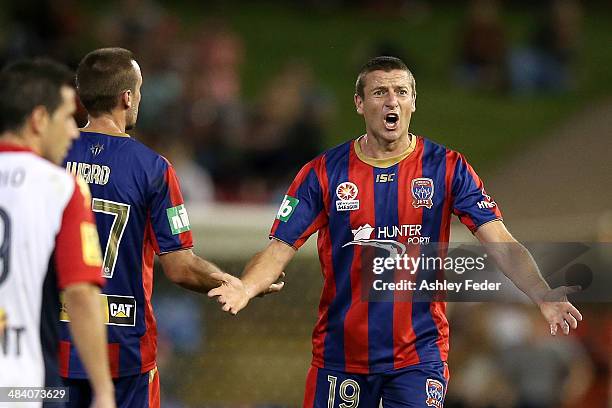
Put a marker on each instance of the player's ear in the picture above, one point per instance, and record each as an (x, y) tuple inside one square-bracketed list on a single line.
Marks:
[(38, 120), (126, 98), (358, 103)]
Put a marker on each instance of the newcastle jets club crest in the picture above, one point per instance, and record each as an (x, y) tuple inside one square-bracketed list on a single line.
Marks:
[(435, 393), (422, 192)]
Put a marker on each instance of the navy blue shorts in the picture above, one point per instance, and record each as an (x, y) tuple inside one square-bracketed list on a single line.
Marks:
[(133, 391), (420, 385)]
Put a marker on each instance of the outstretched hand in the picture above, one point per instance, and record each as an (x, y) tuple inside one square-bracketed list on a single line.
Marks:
[(558, 311)]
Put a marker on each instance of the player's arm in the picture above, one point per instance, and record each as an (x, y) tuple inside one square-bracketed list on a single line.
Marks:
[(89, 335), (189, 271), (260, 273), (78, 260), (518, 265)]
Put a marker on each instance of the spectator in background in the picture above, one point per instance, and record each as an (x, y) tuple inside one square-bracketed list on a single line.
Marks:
[(196, 183), (482, 59), (564, 369), (286, 129), (215, 118), (545, 64)]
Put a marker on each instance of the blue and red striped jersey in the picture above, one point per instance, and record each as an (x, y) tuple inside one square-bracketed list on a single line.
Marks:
[(139, 211), (348, 198)]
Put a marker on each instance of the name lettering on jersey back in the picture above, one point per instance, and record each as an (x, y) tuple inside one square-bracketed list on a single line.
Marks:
[(91, 173), (11, 339), (12, 177)]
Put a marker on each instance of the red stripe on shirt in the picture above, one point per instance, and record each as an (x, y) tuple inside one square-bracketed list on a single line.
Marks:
[(311, 387), (321, 171), (148, 342), (328, 293), (113, 357), (176, 198), (404, 338), (297, 182), (318, 222), (64, 358), (495, 210), (438, 309), (327, 296), (356, 320)]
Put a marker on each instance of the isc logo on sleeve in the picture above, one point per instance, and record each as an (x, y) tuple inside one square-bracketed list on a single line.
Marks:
[(287, 207), (178, 219)]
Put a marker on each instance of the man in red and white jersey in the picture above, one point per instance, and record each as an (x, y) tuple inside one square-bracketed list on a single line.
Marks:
[(48, 240)]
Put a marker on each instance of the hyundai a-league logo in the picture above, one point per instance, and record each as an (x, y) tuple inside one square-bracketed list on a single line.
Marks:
[(96, 149), (347, 194), (435, 393), (422, 192)]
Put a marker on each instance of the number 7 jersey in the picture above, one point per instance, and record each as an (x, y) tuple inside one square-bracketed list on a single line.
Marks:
[(139, 212)]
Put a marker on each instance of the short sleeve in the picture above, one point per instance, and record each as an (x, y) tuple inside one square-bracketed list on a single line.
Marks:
[(471, 203), (301, 212), (78, 256), (168, 216)]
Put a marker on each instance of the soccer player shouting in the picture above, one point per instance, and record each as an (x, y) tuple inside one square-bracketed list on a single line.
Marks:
[(386, 189)]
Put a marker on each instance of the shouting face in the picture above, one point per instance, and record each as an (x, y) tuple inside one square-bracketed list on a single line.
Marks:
[(387, 104)]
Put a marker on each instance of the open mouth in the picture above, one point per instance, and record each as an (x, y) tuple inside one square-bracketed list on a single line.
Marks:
[(391, 121)]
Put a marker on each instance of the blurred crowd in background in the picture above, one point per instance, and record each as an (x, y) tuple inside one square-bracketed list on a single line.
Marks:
[(229, 148)]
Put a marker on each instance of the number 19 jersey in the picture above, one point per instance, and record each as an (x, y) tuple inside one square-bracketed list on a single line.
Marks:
[(355, 202), (139, 212)]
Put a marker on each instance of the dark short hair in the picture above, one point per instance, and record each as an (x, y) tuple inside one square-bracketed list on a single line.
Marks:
[(382, 63), (102, 75), (27, 84)]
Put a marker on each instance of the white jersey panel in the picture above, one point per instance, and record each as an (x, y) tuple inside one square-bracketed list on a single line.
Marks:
[(33, 196)]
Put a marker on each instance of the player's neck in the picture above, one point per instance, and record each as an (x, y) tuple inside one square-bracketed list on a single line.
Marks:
[(106, 123), (377, 148), (21, 139)]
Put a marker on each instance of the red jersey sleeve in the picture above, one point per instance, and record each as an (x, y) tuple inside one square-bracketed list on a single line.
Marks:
[(77, 246), (169, 220)]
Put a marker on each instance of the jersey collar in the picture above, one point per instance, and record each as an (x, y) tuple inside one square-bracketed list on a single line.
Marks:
[(388, 162), (9, 147), (116, 134)]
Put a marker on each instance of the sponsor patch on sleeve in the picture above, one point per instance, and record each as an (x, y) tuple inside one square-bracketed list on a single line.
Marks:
[(287, 208), (178, 219), (116, 310), (90, 243)]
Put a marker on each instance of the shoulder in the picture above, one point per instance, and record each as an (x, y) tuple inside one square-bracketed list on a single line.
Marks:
[(327, 160), (432, 148), (48, 171), (50, 180), (151, 161), (337, 152)]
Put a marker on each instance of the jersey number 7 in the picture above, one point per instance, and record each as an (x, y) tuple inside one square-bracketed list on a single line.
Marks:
[(121, 214)]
